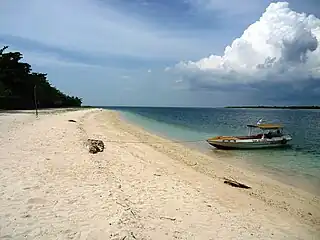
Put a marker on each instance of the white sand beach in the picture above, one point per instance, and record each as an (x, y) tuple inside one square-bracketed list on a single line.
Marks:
[(51, 187)]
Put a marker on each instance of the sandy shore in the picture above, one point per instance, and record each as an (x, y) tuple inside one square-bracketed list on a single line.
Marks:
[(52, 188)]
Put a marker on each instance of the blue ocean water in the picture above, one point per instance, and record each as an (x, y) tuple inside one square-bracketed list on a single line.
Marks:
[(298, 163)]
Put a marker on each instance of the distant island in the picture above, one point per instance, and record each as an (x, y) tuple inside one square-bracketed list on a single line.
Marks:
[(20, 88), (277, 107)]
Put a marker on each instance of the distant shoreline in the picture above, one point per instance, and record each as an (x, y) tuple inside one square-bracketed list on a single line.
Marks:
[(277, 107), (266, 107)]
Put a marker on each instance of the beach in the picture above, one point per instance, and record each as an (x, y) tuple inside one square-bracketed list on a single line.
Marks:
[(141, 186)]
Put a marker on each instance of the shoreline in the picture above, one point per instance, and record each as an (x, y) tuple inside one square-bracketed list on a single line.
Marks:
[(247, 175), (303, 183), (53, 188)]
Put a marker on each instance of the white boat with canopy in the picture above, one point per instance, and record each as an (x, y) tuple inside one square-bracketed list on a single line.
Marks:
[(269, 136)]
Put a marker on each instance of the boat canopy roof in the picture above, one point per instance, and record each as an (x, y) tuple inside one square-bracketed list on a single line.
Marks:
[(266, 126)]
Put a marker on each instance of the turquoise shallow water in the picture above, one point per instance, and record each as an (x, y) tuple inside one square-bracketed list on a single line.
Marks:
[(298, 165)]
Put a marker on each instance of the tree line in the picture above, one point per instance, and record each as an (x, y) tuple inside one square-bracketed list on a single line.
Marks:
[(21, 88)]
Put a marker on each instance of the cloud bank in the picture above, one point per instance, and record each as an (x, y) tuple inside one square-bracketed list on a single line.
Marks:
[(276, 58)]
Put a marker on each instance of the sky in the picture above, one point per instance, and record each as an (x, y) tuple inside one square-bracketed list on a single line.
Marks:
[(199, 53)]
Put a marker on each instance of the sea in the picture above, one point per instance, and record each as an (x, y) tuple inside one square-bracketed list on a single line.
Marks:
[(297, 165)]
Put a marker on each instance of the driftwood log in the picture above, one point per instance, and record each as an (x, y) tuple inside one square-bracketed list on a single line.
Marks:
[(95, 146), (234, 183)]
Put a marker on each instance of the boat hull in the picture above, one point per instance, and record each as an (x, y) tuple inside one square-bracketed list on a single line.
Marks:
[(247, 146), (250, 144)]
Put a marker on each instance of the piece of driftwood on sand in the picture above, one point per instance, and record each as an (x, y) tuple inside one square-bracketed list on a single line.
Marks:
[(234, 183)]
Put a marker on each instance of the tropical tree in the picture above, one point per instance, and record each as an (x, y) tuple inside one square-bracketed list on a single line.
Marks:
[(18, 85)]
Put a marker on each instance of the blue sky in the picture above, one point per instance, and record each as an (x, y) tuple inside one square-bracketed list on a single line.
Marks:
[(157, 52)]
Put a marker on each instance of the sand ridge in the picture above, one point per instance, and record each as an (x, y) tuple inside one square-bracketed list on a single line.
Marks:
[(52, 188)]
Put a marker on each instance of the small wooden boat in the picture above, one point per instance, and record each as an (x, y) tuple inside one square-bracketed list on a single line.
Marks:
[(270, 136)]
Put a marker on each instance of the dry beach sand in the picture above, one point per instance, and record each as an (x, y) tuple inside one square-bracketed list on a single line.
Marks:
[(51, 187)]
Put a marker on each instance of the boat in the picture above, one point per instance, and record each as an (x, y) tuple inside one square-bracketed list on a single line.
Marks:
[(270, 136)]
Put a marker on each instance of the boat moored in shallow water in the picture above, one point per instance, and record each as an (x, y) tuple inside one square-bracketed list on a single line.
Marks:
[(270, 136)]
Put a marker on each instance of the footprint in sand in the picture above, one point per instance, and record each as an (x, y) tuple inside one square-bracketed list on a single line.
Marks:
[(37, 201), (98, 234)]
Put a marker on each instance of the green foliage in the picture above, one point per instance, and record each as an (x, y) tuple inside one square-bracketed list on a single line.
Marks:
[(18, 84)]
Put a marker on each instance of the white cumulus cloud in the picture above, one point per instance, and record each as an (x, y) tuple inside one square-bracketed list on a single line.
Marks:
[(281, 47)]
